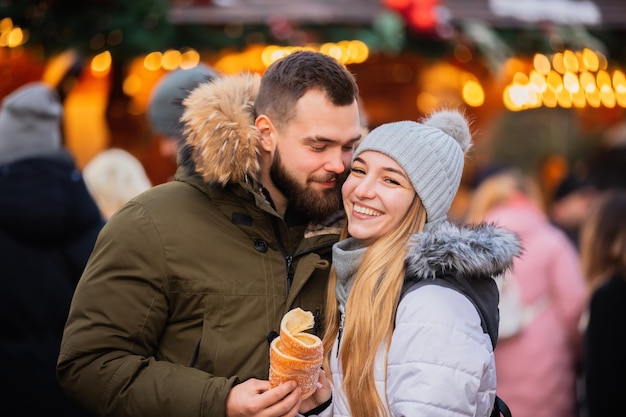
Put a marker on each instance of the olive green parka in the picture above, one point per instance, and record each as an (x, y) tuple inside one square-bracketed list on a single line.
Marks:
[(189, 280)]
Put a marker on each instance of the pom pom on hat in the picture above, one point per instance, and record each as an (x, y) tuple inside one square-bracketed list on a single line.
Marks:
[(166, 103), (454, 124), (30, 122), (432, 154)]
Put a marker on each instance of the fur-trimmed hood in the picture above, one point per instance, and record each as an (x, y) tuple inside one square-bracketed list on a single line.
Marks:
[(475, 250), (221, 141), (467, 259)]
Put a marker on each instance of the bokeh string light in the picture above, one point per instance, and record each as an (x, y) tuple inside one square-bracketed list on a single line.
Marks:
[(568, 79)]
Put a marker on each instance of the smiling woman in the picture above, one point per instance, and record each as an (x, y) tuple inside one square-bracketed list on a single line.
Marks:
[(403, 178), (377, 196)]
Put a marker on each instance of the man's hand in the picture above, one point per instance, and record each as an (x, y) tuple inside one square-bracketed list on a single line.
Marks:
[(255, 398)]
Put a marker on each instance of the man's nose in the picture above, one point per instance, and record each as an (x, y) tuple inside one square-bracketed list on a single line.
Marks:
[(337, 163)]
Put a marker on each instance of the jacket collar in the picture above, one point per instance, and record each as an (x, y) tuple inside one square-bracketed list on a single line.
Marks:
[(474, 250), (220, 139)]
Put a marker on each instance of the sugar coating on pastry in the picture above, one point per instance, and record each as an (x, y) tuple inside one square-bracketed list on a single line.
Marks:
[(296, 355)]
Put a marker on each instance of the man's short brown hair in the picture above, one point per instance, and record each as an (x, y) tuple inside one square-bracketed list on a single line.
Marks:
[(289, 78)]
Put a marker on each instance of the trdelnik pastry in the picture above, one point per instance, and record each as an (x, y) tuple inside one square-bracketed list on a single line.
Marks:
[(296, 355)]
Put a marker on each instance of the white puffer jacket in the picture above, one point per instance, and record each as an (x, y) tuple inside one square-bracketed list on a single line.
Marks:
[(441, 362)]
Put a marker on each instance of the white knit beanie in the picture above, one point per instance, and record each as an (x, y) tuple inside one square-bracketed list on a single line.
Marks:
[(30, 123), (431, 153)]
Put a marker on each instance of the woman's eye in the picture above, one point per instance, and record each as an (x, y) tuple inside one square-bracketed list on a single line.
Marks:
[(357, 170)]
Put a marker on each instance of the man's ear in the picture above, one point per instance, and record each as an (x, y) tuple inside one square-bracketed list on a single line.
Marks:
[(266, 132)]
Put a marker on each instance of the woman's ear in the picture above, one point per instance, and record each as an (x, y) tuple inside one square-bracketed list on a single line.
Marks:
[(266, 132)]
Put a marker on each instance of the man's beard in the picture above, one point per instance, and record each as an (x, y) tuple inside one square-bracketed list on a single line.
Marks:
[(315, 205)]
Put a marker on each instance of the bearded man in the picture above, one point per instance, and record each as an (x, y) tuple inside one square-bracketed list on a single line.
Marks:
[(188, 282)]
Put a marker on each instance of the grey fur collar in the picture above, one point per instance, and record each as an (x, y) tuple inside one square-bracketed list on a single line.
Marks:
[(475, 250)]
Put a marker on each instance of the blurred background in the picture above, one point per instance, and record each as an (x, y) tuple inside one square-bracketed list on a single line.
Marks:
[(543, 80)]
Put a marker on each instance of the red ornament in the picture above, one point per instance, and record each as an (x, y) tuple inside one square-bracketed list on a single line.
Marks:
[(420, 15)]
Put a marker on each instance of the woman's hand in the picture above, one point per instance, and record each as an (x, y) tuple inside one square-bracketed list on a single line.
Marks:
[(254, 397), (322, 394)]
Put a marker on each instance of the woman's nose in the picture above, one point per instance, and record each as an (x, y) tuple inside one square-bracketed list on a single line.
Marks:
[(365, 188)]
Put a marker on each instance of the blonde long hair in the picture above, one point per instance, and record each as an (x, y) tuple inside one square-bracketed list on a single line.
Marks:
[(376, 288)]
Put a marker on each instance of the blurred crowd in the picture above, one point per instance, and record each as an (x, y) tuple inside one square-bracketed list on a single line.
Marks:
[(563, 306)]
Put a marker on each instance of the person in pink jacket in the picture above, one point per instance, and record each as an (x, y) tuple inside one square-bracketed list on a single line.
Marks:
[(536, 359)]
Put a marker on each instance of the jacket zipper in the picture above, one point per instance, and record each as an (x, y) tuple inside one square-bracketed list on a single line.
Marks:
[(342, 323), (289, 259)]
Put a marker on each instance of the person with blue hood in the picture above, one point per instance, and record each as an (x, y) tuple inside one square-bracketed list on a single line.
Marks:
[(48, 227)]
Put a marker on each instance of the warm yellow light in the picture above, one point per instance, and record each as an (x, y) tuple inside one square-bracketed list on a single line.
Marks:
[(101, 64), (189, 59), (507, 99), (590, 60), (593, 98), (619, 80), (426, 102), (605, 89), (564, 99), (332, 49), (549, 99), (57, 67), (152, 61), (520, 79), (16, 37), (587, 81), (519, 95), (557, 63), (6, 24), (570, 61), (578, 99), (620, 97), (272, 53), (607, 97), (358, 52), (538, 81), (132, 85), (534, 99), (228, 64), (541, 63), (602, 79), (513, 65), (570, 82), (473, 93), (170, 59), (554, 81)]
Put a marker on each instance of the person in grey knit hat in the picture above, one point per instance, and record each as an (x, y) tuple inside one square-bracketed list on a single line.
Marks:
[(30, 122), (165, 105), (48, 226), (432, 155), (402, 266)]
